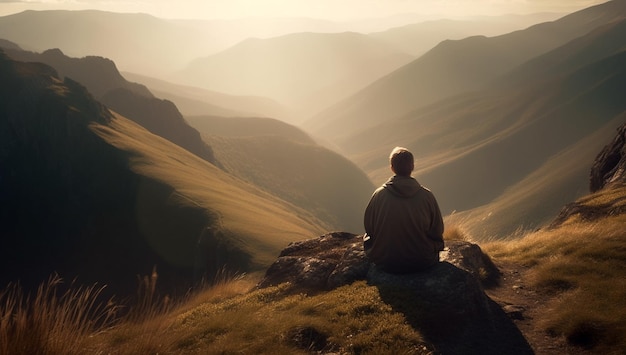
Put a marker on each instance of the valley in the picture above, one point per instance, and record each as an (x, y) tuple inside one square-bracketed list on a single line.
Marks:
[(133, 145)]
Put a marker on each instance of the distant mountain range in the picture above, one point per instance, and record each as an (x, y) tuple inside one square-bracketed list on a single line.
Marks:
[(138, 42), (515, 129), (454, 67), (418, 38), (195, 101), (301, 70)]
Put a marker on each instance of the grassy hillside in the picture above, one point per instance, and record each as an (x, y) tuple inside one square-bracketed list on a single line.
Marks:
[(581, 266), (90, 194), (254, 221), (285, 162)]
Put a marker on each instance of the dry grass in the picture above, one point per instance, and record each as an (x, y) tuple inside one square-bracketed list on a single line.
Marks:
[(352, 319), (51, 321), (76, 321), (455, 233), (583, 265), (254, 221)]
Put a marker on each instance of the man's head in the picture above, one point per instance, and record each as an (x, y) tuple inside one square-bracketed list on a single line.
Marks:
[(402, 162)]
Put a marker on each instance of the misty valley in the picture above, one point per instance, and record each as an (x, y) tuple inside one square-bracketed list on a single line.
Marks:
[(132, 145)]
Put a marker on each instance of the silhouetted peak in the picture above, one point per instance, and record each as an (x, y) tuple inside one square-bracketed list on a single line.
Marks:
[(42, 82), (9, 45), (53, 52)]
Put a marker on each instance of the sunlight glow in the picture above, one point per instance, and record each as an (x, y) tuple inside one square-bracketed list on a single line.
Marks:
[(325, 9)]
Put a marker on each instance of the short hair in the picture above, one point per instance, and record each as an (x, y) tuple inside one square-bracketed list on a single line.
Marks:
[(402, 161)]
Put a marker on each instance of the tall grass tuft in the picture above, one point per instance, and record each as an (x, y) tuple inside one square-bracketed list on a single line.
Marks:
[(582, 267), (51, 321)]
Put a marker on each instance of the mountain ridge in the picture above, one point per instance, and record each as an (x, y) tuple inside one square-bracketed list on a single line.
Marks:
[(454, 67)]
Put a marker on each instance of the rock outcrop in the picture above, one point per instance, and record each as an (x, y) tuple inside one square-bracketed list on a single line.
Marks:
[(608, 171), (447, 303), (321, 264), (610, 165), (338, 258)]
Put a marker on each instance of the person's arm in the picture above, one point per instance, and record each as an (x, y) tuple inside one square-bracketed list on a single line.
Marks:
[(436, 231)]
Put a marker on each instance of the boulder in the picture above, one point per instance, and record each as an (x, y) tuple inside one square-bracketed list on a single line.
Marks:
[(336, 259), (609, 167), (319, 264)]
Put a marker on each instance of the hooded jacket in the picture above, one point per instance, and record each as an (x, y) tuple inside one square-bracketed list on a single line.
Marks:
[(405, 225)]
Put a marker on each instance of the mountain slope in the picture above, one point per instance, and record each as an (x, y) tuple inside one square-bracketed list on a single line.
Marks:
[(481, 149), (454, 67), (303, 70), (134, 101), (284, 161), (417, 38), (91, 194)]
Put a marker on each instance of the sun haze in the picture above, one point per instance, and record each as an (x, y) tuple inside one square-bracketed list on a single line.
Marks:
[(324, 9)]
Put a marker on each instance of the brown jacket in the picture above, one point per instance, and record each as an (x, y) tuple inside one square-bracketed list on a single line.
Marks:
[(405, 225)]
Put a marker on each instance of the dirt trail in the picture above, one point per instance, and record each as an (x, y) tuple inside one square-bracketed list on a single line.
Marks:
[(524, 304)]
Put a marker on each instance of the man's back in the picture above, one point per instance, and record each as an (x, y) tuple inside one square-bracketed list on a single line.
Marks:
[(405, 225)]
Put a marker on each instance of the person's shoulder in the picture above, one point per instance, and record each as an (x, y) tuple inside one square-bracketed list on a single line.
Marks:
[(426, 191)]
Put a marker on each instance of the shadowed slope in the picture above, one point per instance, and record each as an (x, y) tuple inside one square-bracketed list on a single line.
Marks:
[(132, 100), (109, 206)]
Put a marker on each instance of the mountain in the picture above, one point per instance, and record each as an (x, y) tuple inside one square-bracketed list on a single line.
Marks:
[(287, 163), (508, 157), (134, 101), (137, 42), (418, 38), (454, 67), (195, 101), (90, 194), (162, 118), (305, 71)]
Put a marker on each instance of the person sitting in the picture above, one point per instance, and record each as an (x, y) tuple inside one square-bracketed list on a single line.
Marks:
[(403, 221)]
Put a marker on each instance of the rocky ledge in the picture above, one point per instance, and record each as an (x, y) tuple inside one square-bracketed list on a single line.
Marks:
[(446, 303), (338, 258)]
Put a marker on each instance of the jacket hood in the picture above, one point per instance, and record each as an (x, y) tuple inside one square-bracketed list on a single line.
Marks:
[(403, 186)]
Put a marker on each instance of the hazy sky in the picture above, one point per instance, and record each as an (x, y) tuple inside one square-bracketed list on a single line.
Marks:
[(328, 9)]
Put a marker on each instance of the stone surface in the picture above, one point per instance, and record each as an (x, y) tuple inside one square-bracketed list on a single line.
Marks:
[(338, 258), (609, 166), (324, 263)]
